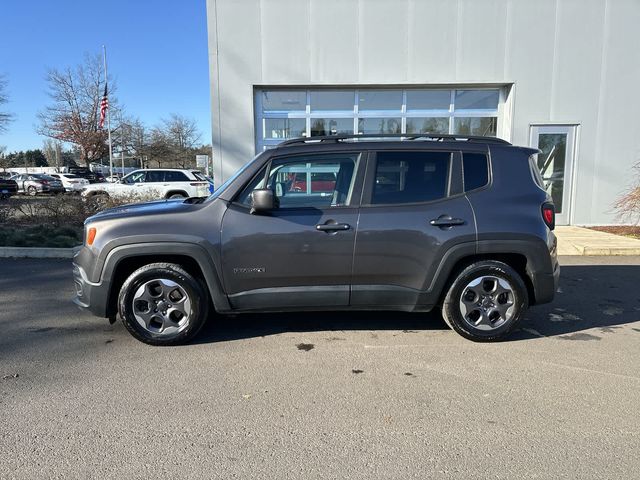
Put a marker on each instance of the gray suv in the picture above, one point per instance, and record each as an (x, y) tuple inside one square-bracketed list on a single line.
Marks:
[(344, 222)]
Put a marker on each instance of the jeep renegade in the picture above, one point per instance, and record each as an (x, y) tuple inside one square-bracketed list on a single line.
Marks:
[(346, 222)]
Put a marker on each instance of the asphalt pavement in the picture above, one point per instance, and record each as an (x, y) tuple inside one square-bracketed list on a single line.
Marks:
[(327, 395)]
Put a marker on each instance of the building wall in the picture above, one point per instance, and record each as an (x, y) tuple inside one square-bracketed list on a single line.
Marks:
[(567, 61)]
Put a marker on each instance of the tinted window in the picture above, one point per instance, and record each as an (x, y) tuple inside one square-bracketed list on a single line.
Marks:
[(410, 177), (173, 176), (476, 170), (155, 176)]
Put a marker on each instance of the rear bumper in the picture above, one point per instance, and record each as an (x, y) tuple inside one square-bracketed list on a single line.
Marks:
[(89, 296)]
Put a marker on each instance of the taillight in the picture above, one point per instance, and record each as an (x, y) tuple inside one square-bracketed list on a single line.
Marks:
[(549, 215)]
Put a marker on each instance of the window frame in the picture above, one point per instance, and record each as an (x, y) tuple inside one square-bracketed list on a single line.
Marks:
[(355, 114), (454, 187), (358, 178)]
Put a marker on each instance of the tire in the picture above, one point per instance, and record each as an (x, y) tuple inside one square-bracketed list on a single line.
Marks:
[(32, 191), (98, 201), (176, 195), (485, 301), (162, 283)]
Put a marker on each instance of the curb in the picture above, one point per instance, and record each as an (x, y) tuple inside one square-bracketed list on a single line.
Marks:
[(37, 252)]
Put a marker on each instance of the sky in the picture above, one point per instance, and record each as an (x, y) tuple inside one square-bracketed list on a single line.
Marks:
[(156, 53)]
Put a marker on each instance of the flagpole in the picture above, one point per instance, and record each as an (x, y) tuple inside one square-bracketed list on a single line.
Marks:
[(104, 52)]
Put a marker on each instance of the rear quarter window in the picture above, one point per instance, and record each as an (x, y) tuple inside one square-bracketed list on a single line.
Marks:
[(475, 167), (535, 172)]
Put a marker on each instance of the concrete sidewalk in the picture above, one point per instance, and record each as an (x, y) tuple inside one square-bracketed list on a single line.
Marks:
[(583, 241)]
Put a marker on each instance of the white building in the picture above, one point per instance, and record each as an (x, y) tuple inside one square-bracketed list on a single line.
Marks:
[(563, 75)]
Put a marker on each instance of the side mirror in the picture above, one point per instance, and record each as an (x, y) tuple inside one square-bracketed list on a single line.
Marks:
[(263, 200)]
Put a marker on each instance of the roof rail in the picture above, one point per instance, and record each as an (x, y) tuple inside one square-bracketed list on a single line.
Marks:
[(436, 137)]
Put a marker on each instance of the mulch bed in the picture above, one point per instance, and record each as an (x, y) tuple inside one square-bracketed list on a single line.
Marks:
[(624, 230)]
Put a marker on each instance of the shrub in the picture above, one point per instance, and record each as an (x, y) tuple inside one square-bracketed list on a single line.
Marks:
[(627, 207)]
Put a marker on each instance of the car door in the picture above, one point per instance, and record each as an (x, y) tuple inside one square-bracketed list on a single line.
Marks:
[(413, 211), (154, 183), (299, 254)]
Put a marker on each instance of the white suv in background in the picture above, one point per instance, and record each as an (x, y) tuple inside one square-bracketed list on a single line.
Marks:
[(156, 183), (71, 182)]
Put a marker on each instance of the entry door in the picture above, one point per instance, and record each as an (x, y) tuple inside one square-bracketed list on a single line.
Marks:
[(556, 162), (299, 254)]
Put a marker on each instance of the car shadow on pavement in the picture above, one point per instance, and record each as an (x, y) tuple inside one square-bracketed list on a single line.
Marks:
[(589, 297)]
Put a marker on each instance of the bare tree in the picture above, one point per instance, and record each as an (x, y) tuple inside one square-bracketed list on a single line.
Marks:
[(627, 207), (73, 115), (52, 150), (5, 117), (182, 135)]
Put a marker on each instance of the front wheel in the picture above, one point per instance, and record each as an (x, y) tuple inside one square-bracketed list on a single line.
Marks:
[(161, 304), (485, 301), (32, 191)]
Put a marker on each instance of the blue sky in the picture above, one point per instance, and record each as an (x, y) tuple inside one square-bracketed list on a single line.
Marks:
[(157, 53)]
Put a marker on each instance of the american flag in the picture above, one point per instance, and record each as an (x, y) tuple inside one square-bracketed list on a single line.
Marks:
[(104, 105)]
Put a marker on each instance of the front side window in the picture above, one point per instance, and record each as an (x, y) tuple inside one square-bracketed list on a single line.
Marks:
[(313, 181), (135, 177), (410, 177)]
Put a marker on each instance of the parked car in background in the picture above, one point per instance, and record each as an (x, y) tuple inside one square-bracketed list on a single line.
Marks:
[(71, 182), (35, 183), (7, 188), (153, 184), (7, 175), (84, 172)]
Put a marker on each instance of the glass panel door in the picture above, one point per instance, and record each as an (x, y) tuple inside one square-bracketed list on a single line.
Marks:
[(557, 145)]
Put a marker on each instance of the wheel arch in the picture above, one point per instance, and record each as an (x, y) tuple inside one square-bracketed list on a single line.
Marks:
[(123, 261), (174, 192), (528, 258)]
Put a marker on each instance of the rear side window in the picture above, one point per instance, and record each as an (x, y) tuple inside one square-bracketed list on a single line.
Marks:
[(155, 176), (476, 170), (410, 177), (171, 176)]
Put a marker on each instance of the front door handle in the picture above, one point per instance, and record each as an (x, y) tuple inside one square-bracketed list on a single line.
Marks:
[(444, 221), (332, 227)]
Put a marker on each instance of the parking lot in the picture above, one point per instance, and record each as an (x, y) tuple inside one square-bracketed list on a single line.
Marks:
[(326, 395)]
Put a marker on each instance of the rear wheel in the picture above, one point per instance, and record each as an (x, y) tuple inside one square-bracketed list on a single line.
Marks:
[(176, 195), (162, 304), (485, 301), (31, 190)]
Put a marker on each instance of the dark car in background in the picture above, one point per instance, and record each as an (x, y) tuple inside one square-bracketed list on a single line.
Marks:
[(84, 172), (7, 188), (35, 183)]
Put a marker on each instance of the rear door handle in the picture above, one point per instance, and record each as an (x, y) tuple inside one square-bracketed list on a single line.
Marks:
[(446, 221), (332, 227)]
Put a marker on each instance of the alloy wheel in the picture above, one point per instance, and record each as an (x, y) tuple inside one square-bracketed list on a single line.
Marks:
[(487, 302), (162, 307)]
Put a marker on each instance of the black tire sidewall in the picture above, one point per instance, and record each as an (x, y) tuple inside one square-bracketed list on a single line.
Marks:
[(193, 288), (451, 306)]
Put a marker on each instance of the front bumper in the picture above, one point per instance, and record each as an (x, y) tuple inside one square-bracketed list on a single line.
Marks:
[(89, 295)]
